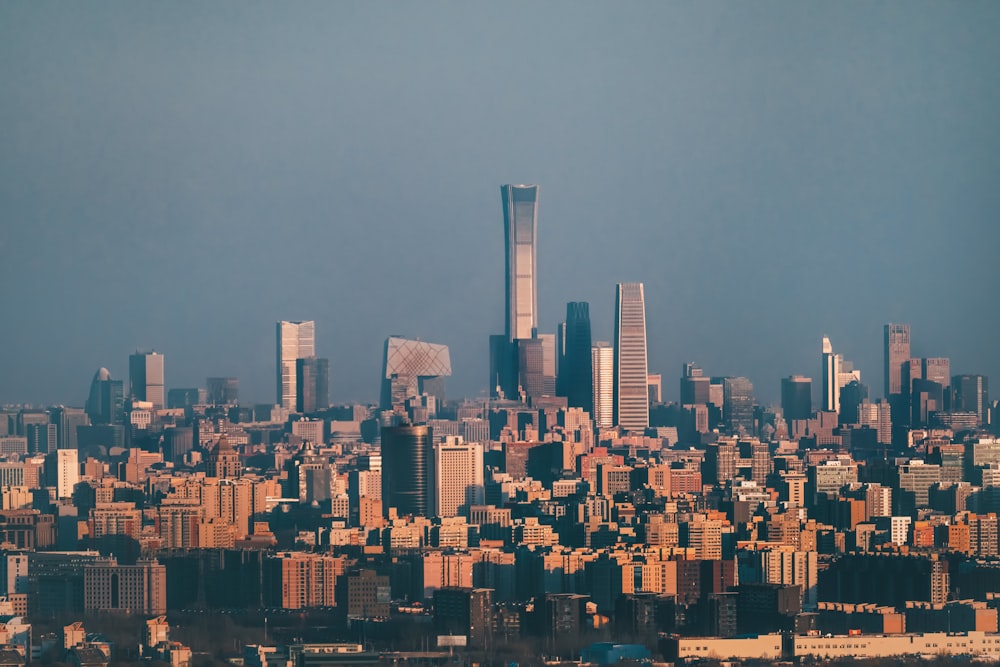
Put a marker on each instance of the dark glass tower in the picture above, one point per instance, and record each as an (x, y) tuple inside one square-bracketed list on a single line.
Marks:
[(796, 398), (407, 470), (312, 384), (106, 399), (576, 378)]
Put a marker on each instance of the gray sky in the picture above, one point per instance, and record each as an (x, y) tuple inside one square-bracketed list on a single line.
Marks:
[(181, 175)]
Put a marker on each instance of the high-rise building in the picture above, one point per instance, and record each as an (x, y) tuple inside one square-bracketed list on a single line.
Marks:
[(937, 369), (837, 374), (971, 394), (412, 368), (602, 356), (831, 369), (458, 476), (145, 375), (897, 354), (631, 398), (312, 384), (68, 420), (520, 217), (223, 391), (695, 387), (407, 472), (737, 405), (105, 403), (296, 340), (67, 471), (796, 398), (576, 366)]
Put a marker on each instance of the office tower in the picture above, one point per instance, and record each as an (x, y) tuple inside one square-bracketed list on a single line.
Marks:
[(831, 369), (105, 403), (223, 391), (878, 416), (926, 398), (851, 397), (312, 384), (694, 385), (412, 368), (296, 340), (458, 477), (560, 355), (145, 378), (602, 359), (531, 368), (407, 473), (41, 438), (897, 354), (796, 398), (520, 217), (576, 366), (631, 398), (548, 362), (971, 394), (68, 420), (837, 373), (737, 405), (937, 369), (67, 471)]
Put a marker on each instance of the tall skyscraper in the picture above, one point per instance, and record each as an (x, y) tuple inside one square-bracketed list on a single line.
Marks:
[(837, 374), (145, 375), (407, 470), (105, 403), (520, 217), (897, 354), (971, 394), (695, 386), (796, 398), (631, 398), (458, 474), (312, 384), (831, 369), (576, 371), (737, 405), (602, 356), (296, 340)]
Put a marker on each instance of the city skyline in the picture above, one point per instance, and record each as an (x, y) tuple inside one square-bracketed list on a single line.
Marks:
[(745, 164)]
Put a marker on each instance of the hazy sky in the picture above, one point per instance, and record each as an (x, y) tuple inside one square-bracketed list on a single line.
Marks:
[(180, 175)]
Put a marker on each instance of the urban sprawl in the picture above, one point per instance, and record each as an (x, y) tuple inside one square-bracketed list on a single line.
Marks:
[(571, 516)]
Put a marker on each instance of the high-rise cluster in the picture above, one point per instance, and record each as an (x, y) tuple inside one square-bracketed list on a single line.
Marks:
[(526, 365)]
